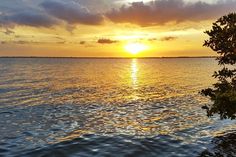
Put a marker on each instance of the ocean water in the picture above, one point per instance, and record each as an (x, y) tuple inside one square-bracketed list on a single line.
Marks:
[(106, 107)]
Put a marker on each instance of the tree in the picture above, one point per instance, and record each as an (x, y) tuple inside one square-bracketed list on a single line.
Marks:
[(223, 94)]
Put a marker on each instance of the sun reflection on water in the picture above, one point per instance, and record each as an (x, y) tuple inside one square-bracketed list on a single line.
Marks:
[(134, 71), (134, 79)]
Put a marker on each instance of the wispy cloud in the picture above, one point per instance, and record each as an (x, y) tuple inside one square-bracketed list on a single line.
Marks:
[(106, 41), (168, 38), (21, 42), (8, 32)]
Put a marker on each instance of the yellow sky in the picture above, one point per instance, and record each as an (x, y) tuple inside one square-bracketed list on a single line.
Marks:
[(83, 41), (162, 36)]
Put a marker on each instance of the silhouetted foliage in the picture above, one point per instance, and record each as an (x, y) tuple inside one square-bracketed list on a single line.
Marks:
[(223, 41)]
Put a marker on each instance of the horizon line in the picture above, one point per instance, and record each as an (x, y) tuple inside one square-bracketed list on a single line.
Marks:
[(108, 57)]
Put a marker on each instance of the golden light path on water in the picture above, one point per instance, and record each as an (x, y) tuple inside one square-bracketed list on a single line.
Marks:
[(134, 78), (134, 71), (142, 99)]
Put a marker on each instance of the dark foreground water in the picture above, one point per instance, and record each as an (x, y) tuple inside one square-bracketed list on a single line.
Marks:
[(107, 107)]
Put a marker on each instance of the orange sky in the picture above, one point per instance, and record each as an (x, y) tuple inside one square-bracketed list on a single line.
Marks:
[(104, 28)]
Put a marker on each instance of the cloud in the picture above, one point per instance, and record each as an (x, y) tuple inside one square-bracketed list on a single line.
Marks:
[(99, 5), (8, 32), (71, 12), (106, 41), (152, 39), (169, 38), (3, 42), (59, 38), (33, 19), (27, 18), (47, 13), (21, 42), (61, 42), (82, 42), (160, 12)]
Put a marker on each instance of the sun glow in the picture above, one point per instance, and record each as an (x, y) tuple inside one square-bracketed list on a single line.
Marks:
[(135, 48)]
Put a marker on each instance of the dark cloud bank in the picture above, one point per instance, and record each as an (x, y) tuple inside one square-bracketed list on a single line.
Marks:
[(71, 12), (160, 12), (27, 18), (48, 13)]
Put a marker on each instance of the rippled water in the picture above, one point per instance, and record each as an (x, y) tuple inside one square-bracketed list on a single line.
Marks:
[(106, 107)]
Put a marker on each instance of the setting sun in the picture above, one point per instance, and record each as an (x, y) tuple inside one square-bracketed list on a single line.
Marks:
[(135, 48)]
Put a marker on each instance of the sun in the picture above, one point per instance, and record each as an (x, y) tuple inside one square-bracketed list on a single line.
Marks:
[(135, 48)]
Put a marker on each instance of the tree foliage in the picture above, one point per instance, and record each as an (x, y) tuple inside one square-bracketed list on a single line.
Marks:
[(222, 40)]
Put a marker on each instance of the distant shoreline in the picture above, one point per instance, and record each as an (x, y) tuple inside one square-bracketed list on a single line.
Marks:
[(109, 57)]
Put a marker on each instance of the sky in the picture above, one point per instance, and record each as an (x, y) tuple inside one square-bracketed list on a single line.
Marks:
[(105, 28)]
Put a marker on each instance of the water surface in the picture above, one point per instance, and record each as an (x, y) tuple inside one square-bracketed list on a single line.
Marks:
[(106, 107)]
